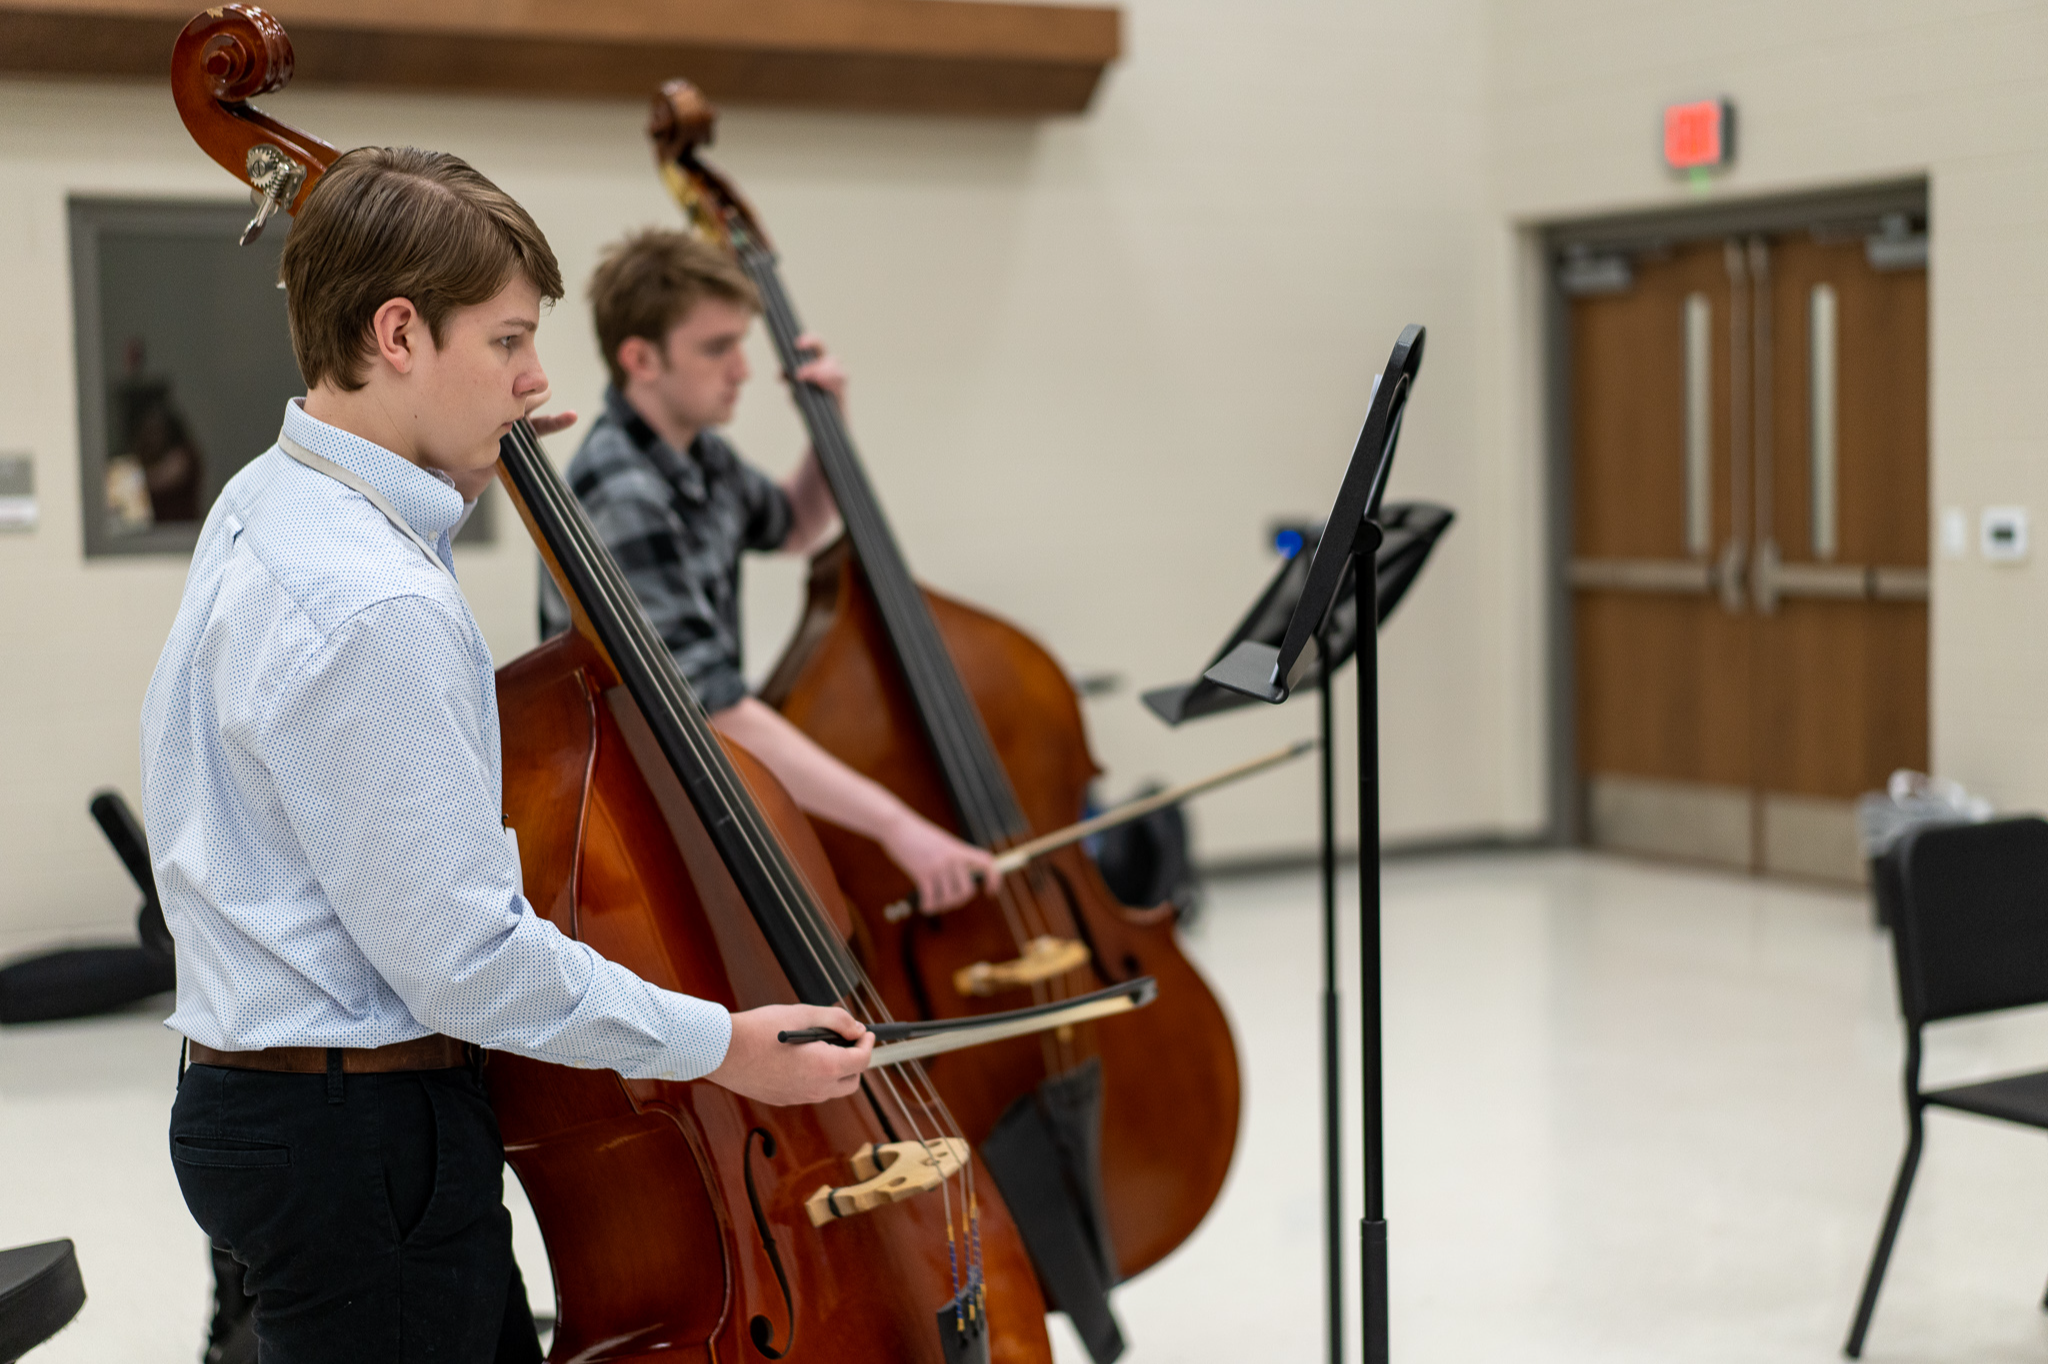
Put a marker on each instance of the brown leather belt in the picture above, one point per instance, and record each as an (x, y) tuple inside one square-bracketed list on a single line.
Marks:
[(435, 1052)]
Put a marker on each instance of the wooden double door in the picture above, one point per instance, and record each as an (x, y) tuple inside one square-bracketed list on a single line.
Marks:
[(1749, 543)]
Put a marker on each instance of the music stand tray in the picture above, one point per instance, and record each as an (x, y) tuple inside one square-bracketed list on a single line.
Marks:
[(1412, 530)]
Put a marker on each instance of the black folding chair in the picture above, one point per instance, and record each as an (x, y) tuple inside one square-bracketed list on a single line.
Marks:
[(1969, 910)]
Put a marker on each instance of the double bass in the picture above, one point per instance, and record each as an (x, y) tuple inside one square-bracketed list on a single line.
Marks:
[(683, 1221), (975, 726)]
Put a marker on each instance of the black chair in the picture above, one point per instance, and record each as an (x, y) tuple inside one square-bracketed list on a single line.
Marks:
[(72, 983), (1969, 910), (40, 1291)]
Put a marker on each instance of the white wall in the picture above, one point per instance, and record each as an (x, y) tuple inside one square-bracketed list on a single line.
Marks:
[(1092, 358), (1839, 92)]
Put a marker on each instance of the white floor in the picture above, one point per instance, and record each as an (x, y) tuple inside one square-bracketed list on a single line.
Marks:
[(1633, 1113)]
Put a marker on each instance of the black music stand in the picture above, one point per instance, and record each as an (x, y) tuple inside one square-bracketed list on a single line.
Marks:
[(1311, 609)]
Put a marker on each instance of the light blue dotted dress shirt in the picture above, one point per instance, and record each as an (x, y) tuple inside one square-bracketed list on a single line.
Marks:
[(322, 783)]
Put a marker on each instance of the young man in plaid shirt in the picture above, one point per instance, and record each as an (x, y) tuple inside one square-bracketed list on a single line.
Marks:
[(677, 507)]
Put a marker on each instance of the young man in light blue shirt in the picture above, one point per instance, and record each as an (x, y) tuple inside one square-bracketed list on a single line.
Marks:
[(321, 786)]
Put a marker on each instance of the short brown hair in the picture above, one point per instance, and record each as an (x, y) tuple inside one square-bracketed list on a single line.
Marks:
[(649, 282), (398, 223)]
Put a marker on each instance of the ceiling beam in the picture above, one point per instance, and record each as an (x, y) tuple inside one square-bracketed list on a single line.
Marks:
[(902, 56)]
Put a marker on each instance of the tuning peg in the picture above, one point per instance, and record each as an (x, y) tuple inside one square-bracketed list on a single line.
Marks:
[(274, 181)]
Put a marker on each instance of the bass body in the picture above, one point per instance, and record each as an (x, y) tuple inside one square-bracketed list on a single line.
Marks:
[(675, 1214)]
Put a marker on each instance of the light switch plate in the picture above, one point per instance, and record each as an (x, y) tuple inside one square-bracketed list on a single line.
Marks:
[(17, 491), (1955, 533), (2003, 534)]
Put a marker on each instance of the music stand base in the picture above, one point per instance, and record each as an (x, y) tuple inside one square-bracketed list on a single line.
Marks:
[(1372, 1250)]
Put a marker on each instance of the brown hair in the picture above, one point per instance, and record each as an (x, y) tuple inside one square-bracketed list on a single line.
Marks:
[(398, 223), (649, 282)]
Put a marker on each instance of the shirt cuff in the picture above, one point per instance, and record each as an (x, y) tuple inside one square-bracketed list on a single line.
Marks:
[(701, 1036)]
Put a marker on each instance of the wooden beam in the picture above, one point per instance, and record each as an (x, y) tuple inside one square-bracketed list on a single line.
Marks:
[(909, 56)]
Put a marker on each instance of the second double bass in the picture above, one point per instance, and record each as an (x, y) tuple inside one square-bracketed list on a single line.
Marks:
[(1117, 1142)]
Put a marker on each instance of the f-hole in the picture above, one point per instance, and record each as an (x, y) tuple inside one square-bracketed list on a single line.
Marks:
[(1080, 923), (760, 1329), (881, 1114), (913, 970)]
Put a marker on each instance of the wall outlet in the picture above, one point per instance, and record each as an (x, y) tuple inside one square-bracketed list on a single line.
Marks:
[(2003, 534)]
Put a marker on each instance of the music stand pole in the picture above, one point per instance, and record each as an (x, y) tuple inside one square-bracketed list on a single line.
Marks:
[(1333, 1110), (1373, 1228), (1258, 669)]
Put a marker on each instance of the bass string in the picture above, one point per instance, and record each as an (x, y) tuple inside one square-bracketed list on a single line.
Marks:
[(952, 728), (800, 908), (977, 781), (954, 722), (903, 610), (798, 899), (927, 1099), (990, 814), (863, 1000), (866, 522), (1020, 898), (656, 671), (925, 1116), (982, 792), (926, 1094), (1022, 915), (921, 653), (1024, 912), (959, 727), (665, 693), (988, 804)]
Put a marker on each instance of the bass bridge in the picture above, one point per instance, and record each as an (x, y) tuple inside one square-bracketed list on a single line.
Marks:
[(888, 1173), (1043, 958)]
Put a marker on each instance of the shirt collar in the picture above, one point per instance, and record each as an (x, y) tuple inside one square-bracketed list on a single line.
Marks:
[(426, 498), (684, 472)]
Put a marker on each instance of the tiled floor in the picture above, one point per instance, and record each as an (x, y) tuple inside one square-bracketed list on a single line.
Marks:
[(1633, 1113)]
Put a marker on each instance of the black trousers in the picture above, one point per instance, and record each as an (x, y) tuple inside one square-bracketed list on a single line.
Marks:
[(368, 1210)]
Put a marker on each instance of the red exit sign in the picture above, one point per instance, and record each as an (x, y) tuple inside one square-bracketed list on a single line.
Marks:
[(1699, 135)]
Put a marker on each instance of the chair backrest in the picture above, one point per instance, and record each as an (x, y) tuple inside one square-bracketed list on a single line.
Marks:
[(1971, 931)]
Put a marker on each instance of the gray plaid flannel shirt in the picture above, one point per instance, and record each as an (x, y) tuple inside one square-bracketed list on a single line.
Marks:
[(677, 525)]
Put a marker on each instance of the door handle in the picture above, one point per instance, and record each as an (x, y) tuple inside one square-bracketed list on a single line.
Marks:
[(1766, 581), (1774, 580), (1728, 575), (1681, 576)]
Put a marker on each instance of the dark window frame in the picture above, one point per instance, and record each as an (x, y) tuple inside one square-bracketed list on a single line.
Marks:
[(91, 218)]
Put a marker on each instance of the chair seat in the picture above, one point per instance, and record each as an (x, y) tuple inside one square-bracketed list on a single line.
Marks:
[(40, 1291), (2016, 1099)]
